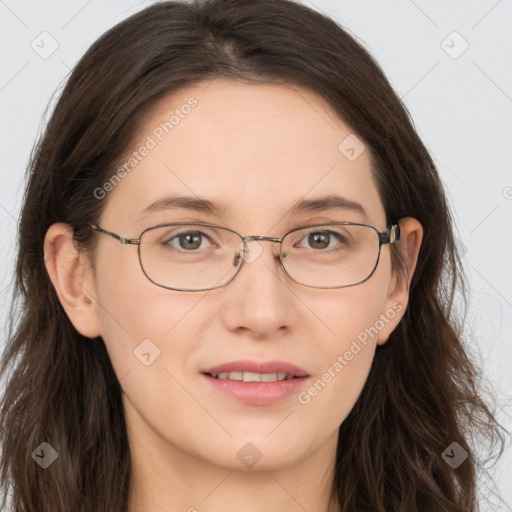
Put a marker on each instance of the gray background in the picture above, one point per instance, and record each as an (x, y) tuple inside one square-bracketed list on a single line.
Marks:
[(460, 101)]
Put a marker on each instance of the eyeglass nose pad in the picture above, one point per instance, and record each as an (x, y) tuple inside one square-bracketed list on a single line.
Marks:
[(240, 252), (243, 251)]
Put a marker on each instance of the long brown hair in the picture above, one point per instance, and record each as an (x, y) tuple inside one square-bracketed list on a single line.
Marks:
[(423, 390)]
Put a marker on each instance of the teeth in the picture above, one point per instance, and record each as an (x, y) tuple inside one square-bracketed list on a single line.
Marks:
[(252, 377)]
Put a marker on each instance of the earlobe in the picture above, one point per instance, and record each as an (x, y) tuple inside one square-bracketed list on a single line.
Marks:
[(398, 293), (72, 279)]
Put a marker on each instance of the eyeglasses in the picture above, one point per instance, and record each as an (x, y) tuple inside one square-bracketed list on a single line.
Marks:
[(187, 256)]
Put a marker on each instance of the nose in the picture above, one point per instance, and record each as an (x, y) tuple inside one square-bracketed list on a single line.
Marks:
[(260, 300)]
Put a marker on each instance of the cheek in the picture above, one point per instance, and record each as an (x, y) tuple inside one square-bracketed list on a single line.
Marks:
[(343, 362), (344, 351), (149, 333), (139, 318), (350, 314)]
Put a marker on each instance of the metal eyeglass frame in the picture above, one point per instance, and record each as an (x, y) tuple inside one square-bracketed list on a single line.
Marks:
[(388, 237)]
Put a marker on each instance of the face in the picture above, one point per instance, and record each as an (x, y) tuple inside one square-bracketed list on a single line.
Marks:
[(254, 150)]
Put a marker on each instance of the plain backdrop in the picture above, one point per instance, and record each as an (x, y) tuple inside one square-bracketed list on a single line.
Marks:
[(450, 61)]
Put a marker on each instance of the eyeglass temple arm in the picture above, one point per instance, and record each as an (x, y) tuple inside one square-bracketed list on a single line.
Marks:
[(121, 239), (391, 236)]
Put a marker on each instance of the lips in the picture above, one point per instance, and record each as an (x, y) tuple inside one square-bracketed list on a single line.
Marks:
[(256, 383)]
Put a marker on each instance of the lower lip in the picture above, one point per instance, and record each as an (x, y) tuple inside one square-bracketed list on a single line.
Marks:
[(258, 393)]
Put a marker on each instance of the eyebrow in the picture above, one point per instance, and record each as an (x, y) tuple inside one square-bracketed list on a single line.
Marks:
[(195, 204), (330, 202)]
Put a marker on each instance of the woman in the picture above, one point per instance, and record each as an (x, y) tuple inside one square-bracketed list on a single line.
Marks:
[(237, 271)]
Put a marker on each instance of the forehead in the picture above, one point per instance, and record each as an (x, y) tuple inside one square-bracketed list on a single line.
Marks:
[(254, 150)]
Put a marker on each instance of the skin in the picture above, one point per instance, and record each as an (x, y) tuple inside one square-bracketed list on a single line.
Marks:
[(267, 146)]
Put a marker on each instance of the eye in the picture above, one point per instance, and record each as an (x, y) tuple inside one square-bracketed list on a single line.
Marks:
[(319, 240), (187, 240)]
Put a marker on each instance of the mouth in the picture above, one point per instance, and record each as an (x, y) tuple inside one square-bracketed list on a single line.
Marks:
[(252, 376), (257, 383), (256, 371)]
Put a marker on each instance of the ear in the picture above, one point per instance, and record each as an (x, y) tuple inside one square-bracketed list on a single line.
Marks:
[(398, 291), (72, 279)]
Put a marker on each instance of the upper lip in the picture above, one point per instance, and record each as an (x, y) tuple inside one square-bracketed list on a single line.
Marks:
[(258, 367)]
